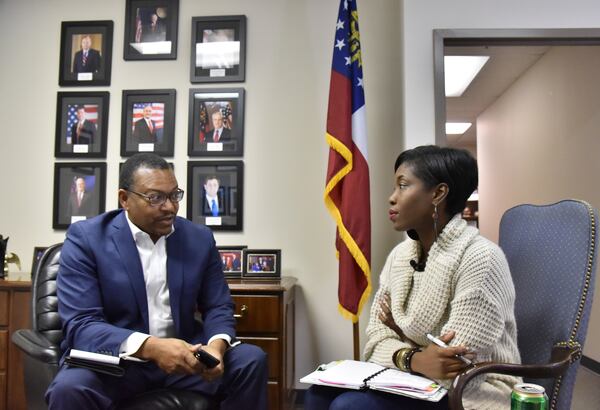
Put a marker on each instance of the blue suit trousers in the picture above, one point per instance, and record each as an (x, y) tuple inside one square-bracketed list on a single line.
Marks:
[(243, 385)]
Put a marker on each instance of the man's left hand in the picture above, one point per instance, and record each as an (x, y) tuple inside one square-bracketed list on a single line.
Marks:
[(216, 348)]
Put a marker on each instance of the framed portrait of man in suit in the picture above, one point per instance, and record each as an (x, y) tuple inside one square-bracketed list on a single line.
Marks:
[(218, 49), (151, 29), (208, 187), (81, 124), (216, 122), (148, 122), (79, 192), (85, 53)]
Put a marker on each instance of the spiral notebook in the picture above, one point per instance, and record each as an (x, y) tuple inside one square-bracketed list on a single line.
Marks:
[(352, 374)]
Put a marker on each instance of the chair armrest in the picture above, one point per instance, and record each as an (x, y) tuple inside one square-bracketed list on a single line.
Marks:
[(561, 358), (36, 345)]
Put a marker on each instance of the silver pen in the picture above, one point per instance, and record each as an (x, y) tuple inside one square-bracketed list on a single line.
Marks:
[(444, 345)]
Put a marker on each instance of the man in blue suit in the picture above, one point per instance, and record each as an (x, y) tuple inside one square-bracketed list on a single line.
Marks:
[(129, 284)]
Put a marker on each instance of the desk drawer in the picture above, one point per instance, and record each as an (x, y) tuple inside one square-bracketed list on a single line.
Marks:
[(261, 314), (3, 308)]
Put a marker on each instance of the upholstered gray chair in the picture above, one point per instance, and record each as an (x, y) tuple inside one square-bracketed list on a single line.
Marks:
[(551, 251), (41, 345)]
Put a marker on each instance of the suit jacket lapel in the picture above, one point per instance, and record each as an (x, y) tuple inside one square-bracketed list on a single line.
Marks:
[(125, 245), (175, 275)]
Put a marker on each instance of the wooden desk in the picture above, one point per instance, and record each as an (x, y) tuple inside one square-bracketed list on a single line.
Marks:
[(15, 308), (265, 317)]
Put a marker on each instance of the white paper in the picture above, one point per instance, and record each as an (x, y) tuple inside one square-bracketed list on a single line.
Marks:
[(213, 220), (217, 72), (85, 76), (214, 146), (95, 357), (148, 147), (77, 219), (81, 148)]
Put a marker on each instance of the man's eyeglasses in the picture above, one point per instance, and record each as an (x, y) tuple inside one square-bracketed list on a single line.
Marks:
[(158, 199)]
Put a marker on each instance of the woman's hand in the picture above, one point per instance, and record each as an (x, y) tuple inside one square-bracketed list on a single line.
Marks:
[(386, 316), (438, 362)]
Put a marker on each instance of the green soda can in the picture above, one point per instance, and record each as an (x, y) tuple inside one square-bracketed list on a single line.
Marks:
[(528, 396)]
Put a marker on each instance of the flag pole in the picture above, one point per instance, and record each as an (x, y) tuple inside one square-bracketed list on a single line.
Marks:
[(355, 337)]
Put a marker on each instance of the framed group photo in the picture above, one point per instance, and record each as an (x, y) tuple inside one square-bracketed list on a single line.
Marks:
[(85, 53), (216, 122), (232, 258), (148, 122), (151, 29), (218, 49), (81, 124), (215, 192), (262, 263), (79, 192)]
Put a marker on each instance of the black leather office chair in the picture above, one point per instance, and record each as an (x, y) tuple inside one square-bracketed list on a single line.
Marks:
[(41, 345)]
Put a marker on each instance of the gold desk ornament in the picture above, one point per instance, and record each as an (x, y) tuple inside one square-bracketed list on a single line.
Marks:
[(11, 258)]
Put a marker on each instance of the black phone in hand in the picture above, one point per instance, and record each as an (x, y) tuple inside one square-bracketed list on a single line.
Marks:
[(206, 358)]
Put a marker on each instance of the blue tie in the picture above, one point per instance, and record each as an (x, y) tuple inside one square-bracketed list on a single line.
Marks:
[(214, 208)]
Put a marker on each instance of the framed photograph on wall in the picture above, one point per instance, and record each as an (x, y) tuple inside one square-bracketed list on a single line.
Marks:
[(262, 263), (216, 122), (151, 29), (218, 49), (81, 124), (209, 201), (148, 122), (79, 192), (85, 53), (233, 260)]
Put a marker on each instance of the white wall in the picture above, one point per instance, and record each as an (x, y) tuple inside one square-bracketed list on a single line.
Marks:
[(421, 17), (289, 51), (547, 123)]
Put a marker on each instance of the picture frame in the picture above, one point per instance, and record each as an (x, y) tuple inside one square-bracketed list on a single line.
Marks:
[(208, 186), (81, 124), (216, 122), (38, 251), (151, 29), (71, 178), (262, 263), (148, 122), (85, 53), (233, 260), (218, 51)]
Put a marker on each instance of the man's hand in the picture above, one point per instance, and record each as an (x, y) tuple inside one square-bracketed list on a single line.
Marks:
[(440, 363), (216, 348), (171, 355)]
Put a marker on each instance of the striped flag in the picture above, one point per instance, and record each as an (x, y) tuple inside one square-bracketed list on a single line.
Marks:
[(347, 186)]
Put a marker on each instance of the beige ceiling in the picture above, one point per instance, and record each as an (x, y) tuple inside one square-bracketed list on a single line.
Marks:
[(505, 66)]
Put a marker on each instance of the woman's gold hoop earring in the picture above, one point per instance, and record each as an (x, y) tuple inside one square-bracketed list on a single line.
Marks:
[(435, 221)]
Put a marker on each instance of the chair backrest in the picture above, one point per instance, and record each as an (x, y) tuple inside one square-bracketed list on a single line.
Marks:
[(551, 251), (44, 302)]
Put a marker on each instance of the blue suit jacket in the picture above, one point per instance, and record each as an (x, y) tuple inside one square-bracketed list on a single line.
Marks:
[(101, 290)]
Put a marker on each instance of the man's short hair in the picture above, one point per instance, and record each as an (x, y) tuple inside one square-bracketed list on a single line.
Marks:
[(208, 178), (141, 160)]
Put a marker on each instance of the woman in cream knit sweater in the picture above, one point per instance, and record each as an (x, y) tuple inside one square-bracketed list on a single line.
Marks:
[(446, 280)]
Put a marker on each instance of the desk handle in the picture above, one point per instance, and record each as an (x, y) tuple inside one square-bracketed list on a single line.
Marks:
[(243, 310)]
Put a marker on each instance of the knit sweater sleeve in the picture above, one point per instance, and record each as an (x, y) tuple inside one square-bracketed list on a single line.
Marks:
[(382, 341)]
